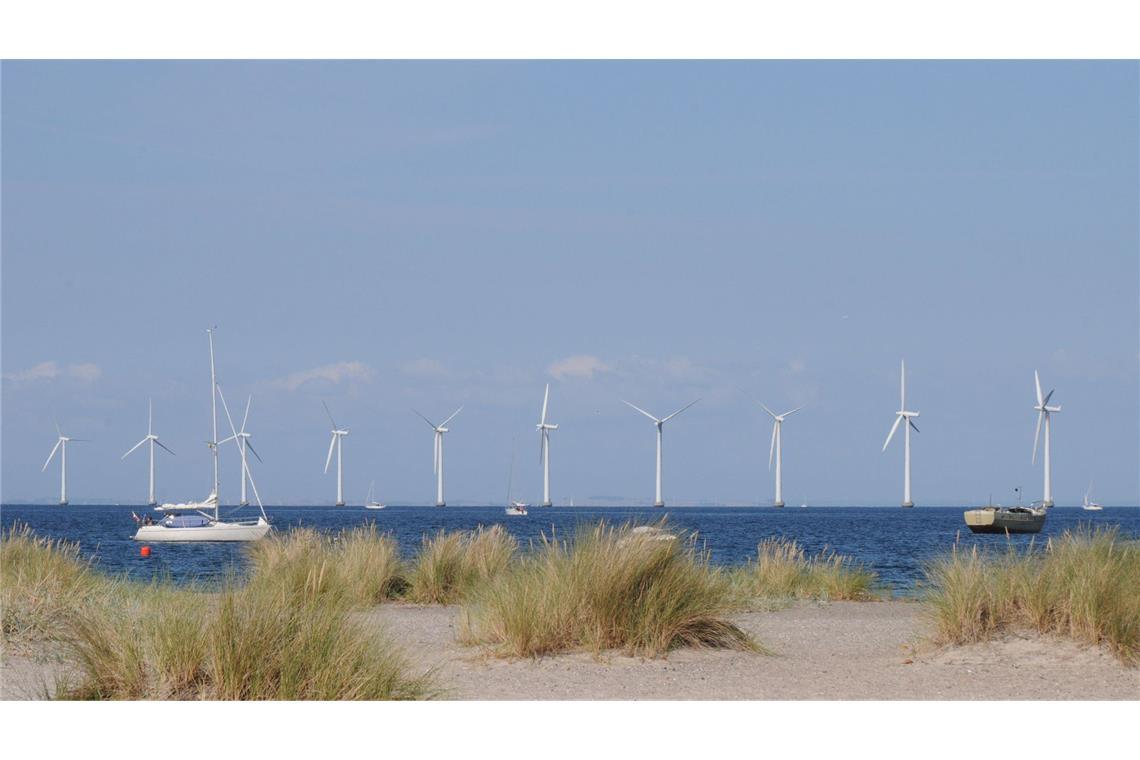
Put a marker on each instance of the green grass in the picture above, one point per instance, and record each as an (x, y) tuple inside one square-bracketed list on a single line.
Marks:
[(451, 565), (1084, 585), (608, 588), (782, 570)]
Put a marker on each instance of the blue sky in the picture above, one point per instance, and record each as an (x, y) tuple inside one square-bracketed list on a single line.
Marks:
[(393, 235)]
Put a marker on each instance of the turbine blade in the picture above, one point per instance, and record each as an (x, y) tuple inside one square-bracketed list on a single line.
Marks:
[(769, 411), (140, 443), (757, 401), (149, 415), (160, 443), (908, 419), (326, 406), (1049, 395), (638, 408), (249, 445), (894, 427), (52, 454), (902, 386), (328, 460), (772, 447), (541, 443), (674, 414), (227, 440), (57, 430), (248, 401), (449, 419), (425, 419), (1037, 383), (786, 414), (545, 399), (1037, 436)]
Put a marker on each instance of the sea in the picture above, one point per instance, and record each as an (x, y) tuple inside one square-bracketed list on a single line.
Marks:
[(897, 544)]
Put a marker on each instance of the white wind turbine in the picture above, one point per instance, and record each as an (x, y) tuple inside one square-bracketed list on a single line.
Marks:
[(244, 442), (437, 453), (544, 448), (61, 447), (1045, 412), (900, 415), (337, 435), (777, 448), (152, 439), (657, 502)]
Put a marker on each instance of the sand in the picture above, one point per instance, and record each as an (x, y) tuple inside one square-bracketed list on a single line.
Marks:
[(841, 650)]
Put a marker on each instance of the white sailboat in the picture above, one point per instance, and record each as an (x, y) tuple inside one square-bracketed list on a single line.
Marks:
[(514, 508), (200, 521), (369, 501), (1090, 506)]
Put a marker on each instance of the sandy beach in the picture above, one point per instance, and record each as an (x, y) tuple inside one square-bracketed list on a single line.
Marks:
[(840, 650)]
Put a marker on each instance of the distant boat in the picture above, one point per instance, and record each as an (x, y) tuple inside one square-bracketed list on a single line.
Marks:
[(369, 501), (804, 505), (204, 524), (994, 518), (514, 508), (1090, 506)]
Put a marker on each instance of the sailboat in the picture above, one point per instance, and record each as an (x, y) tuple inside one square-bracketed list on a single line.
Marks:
[(1090, 506), (200, 521), (369, 501), (514, 508)]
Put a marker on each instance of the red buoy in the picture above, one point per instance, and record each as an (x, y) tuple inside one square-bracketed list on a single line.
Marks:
[(145, 551)]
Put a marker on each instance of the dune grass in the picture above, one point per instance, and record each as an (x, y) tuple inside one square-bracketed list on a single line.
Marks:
[(43, 582), (608, 588), (361, 564), (1084, 585), (782, 570), (451, 565)]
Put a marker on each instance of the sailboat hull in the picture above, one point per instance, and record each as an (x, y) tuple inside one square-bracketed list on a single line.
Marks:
[(214, 531)]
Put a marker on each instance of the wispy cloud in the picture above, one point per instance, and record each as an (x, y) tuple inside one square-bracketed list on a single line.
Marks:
[(329, 373), (423, 368), (50, 370), (581, 366)]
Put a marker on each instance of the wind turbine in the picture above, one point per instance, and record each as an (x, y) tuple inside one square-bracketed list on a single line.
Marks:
[(244, 443), (437, 454), (657, 502), (900, 415), (61, 447), (337, 435), (1045, 412), (777, 448), (152, 439), (544, 448)]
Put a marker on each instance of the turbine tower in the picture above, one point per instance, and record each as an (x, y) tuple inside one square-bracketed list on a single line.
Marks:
[(61, 447), (777, 448), (244, 442), (657, 501), (152, 439), (337, 435), (901, 415), (1045, 412), (437, 454), (544, 448)]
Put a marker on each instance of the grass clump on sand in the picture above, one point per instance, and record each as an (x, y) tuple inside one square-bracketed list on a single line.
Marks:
[(252, 643), (782, 570), (451, 565), (360, 564), (1084, 585), (43, 582), (633, 588)]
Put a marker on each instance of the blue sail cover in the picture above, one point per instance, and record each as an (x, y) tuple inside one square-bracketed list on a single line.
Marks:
[(186, 521)]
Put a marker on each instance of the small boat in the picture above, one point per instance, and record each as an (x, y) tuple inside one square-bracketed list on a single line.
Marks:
[(514, 508), (517, 508), (997, 519), (203, 523), (369, 501), (1090, 506)]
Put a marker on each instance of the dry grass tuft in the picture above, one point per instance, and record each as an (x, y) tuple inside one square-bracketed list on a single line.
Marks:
[(782, 570), (451, 565), (1084, 585), (623, 588)]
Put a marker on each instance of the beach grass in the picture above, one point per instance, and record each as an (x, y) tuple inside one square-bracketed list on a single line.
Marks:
[(783, 570), (451, 565), (635, 588), (1084, 585), (360, 564)]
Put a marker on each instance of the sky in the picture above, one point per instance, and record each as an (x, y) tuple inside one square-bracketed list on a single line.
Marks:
[(389, 236)]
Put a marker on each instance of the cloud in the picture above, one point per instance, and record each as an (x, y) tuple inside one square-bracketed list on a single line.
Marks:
[(331, 373), (423, 368), (581, 366), (50, 370)]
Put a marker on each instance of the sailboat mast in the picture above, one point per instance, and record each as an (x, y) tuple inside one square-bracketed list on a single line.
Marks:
[(511, 474), (214, 419)]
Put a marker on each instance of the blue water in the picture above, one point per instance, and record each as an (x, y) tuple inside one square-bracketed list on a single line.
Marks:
[(893, 542)]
